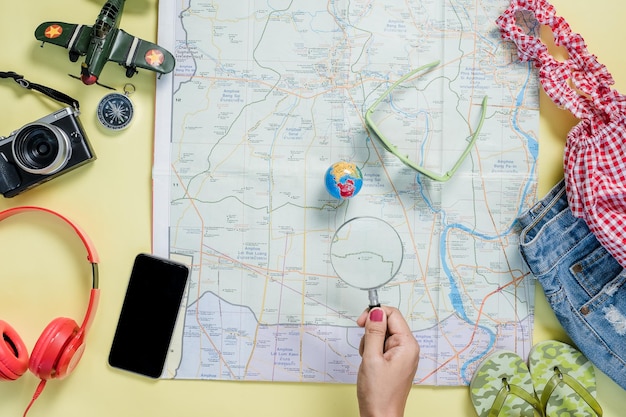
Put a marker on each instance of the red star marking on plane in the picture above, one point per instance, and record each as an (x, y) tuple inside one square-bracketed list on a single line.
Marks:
[(53, 31), (154, 57)]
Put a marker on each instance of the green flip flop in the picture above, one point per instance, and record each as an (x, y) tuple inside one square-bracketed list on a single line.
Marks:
[(502, 385), (564, 380)]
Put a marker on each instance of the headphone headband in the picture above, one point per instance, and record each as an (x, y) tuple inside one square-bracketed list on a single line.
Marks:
[(92, 255)]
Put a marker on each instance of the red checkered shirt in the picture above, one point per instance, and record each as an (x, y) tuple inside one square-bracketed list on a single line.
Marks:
[(595, 151)]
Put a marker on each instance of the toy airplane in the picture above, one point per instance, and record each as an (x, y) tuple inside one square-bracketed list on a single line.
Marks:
[(104, 42)]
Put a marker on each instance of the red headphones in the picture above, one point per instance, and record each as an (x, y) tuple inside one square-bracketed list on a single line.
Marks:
[(61, 345)]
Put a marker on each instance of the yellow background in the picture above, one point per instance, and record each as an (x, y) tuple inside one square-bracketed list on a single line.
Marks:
[(44, 275)]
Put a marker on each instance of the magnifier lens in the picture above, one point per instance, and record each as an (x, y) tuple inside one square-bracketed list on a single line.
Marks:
[(366, 252)]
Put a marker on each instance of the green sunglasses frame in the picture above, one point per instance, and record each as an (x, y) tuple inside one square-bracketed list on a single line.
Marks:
[(389, 146)]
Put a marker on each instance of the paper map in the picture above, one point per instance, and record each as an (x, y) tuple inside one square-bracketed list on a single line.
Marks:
[(266, 95)]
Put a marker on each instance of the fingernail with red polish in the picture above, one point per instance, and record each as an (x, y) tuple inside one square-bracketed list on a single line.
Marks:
[(376, 314)]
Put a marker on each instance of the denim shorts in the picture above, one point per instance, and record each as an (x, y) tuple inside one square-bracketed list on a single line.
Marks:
[(583, 283)]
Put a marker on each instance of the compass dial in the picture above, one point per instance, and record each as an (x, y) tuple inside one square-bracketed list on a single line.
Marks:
[(115, 111)]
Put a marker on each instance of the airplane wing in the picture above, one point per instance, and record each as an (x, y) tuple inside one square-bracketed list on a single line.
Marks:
[(130, 51), (68, 35)]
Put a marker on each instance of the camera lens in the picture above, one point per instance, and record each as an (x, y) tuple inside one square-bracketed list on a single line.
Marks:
[(41, 148)]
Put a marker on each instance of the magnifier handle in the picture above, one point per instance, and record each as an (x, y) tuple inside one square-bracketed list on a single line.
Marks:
[(373, 296)]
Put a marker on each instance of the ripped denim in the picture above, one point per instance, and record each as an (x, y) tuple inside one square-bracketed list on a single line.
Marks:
[(583, 283)]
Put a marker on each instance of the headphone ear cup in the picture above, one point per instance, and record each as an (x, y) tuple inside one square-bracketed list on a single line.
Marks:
[(13, 353), (57, 350)]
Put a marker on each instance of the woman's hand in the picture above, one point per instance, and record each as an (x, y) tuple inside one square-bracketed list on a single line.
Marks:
[(390, 355)]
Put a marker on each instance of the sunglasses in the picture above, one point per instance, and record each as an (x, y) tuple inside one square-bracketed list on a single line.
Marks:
[(389, 146)]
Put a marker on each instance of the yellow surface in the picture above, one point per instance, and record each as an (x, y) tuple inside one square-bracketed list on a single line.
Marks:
[(44, 275)]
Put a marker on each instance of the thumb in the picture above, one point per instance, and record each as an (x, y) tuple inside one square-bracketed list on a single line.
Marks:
[(375, 333)]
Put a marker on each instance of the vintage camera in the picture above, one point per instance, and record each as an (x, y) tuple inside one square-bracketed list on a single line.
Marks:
[(42, 150)]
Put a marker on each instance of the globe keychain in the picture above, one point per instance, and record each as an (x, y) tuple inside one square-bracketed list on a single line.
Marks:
[(115, 111), (343, 180)]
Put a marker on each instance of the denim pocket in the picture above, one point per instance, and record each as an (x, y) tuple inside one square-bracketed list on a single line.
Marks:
[(610, 302), (596, 271)]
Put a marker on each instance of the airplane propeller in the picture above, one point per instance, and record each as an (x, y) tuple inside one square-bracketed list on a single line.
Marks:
[(97, 82)]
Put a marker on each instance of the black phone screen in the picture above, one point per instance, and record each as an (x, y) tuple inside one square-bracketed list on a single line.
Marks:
[(148, 316)]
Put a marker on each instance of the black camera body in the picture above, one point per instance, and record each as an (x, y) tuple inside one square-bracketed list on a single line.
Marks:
[(42, 150)]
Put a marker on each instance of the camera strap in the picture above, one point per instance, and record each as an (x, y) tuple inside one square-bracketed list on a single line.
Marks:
[(50, 92)]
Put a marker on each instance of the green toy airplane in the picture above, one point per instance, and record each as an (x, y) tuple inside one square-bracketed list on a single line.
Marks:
[(104, 42)]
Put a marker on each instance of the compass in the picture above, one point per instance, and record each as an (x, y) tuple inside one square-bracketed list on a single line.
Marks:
[(115, 110)]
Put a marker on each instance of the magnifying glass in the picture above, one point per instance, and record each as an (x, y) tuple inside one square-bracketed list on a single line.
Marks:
[(366, 253)]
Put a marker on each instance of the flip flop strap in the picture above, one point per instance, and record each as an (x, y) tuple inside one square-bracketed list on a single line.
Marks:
[(559, 377), (509, 389)]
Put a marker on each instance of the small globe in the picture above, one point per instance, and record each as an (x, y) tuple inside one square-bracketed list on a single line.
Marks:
[(343, 180)]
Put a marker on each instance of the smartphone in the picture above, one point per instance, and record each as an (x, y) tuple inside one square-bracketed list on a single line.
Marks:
[(149, 311)]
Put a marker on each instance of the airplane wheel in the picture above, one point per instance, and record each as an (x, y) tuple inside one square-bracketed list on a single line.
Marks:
[(74, 56), (130, 71)]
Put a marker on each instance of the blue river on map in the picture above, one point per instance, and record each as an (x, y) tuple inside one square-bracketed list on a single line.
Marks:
[(455, 293)]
